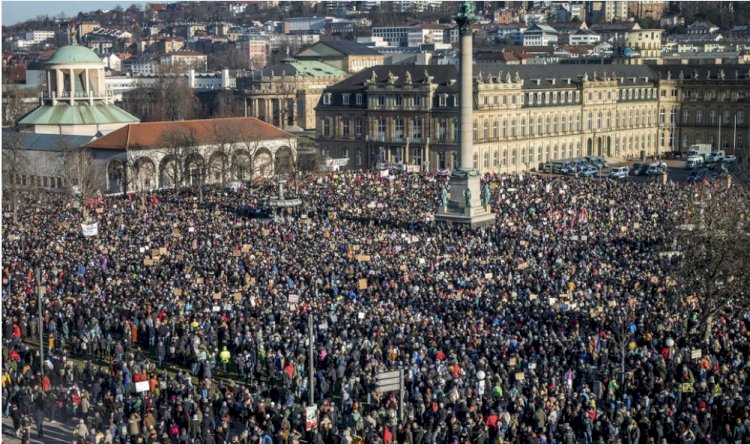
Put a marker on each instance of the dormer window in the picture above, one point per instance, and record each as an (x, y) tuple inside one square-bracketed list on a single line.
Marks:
[(327, 99), (358, 99), (345, 98)]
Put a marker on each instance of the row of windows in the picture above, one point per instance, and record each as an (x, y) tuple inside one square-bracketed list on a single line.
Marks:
[(539, 98), (39, 181), (555, 152), (712, 94), (537, 125), (727, 117)]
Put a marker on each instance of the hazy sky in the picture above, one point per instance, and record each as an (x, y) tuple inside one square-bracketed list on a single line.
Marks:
[(18, 11)]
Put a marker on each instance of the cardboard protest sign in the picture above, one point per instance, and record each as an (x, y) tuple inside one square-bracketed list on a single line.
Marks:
[(362, 284), (363, 258), (148, 261), (163, 250), (236, 253), (520, 376), (178, 292), (246, 248)]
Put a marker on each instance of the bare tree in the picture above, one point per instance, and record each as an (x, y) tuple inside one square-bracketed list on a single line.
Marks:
[(83, 172), (174, 98), (14, 169), (252, 162), (228, 137), (185, 163), (715, 250), (620, 336)]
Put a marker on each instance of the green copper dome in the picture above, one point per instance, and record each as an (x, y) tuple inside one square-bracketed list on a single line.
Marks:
[(74, 54)]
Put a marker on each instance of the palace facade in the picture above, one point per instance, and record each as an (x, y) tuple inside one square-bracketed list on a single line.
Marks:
[(527, 115)]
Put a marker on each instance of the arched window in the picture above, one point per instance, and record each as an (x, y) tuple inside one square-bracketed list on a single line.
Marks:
[(562, 122), (495, 133), (495, 158), (599, 120), (513, 127), (486, 130), (523, 127), (505, 129), (554, 123), (539, 125), (486, 160), (590, 123), (548, 129), (609, 119)]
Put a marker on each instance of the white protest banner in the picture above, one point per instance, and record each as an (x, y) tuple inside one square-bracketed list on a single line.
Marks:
[(142, 386), (90, 229)]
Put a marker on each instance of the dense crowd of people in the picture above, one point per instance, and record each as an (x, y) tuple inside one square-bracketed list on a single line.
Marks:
[(186, 321)]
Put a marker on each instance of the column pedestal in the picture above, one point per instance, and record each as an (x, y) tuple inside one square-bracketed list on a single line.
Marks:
[(474, 215)]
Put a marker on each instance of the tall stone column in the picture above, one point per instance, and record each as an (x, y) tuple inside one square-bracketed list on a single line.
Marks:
[(469, 202), (466, 93)]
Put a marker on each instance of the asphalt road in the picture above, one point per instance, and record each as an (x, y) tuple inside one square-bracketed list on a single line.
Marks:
[(54, 433)]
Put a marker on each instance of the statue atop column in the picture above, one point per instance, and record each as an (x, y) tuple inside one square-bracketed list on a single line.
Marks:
[(443, 197), (465, 18)]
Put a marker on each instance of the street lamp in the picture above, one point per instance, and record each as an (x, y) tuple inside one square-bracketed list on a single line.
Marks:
[(38, 275)]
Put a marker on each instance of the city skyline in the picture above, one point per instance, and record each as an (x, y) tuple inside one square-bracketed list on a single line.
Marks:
[(14, 12)]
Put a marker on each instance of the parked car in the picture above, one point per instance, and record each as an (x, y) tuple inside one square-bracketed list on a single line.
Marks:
[(642, 169), (634, 170), (567, 170), (598, 162), (589, 172), (730, 158), (694, 162), (619, 172), (654, 170)]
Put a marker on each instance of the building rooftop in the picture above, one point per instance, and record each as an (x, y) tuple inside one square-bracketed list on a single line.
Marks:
[(74, 54), (149, 135), (80, 114), (348, 47), (548, 75), (50, 142), (306, 68)]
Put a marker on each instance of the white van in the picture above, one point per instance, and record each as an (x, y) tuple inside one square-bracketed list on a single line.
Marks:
[(619, 172), (693, 162)]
